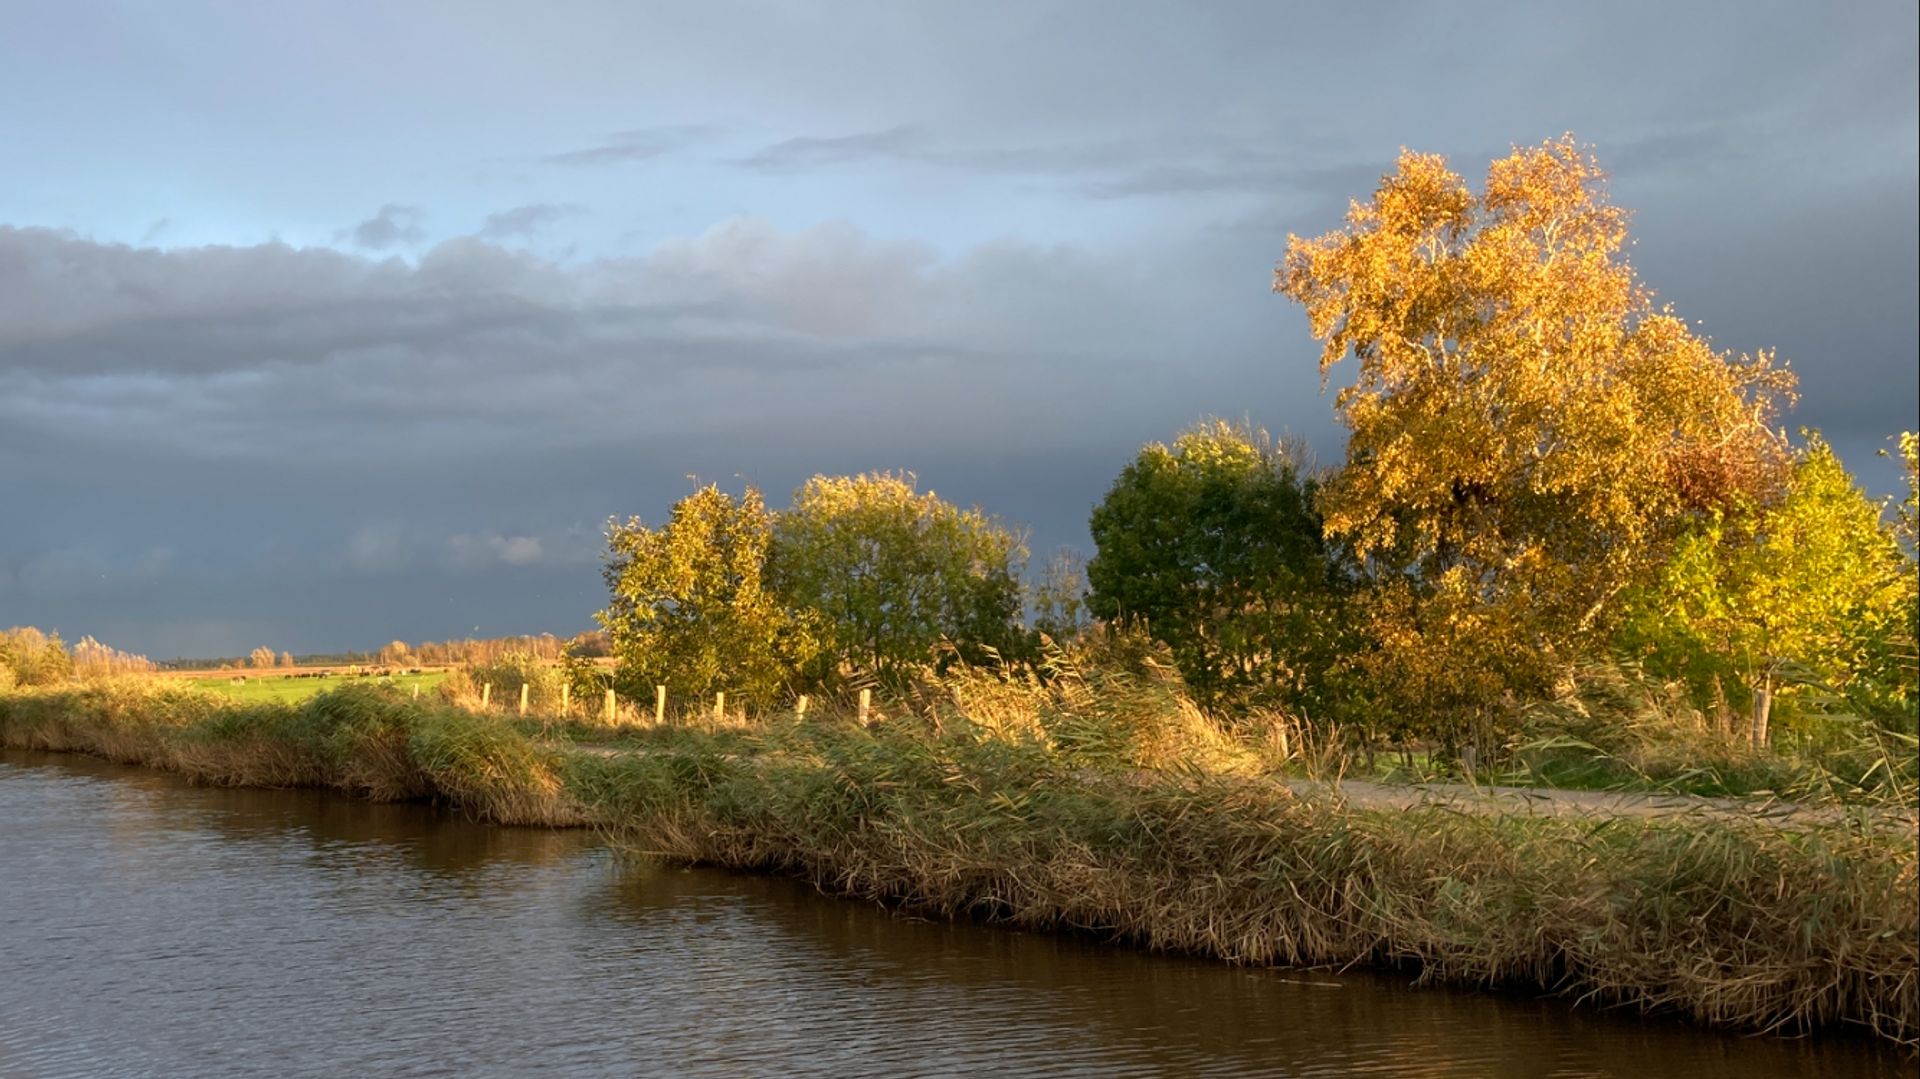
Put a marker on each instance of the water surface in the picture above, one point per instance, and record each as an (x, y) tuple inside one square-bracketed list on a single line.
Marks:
[(151, 927)]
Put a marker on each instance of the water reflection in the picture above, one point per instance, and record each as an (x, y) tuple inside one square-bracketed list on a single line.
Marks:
[(1116, 1008), (441, 844), (147, 926)]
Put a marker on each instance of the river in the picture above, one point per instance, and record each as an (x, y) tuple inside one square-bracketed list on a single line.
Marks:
[(148, 927)]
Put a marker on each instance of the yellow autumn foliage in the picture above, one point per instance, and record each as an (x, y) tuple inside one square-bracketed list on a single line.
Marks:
[(1528, 431)]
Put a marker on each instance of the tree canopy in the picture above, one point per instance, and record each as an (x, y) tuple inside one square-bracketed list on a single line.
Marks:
[(689, 608), (892, 571), (1213, 545), (1527, 432), (1816, 585)]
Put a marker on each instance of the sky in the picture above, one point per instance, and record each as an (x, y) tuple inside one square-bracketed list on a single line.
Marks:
[(324, 324)]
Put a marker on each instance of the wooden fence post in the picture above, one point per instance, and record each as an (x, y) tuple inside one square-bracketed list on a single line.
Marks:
[(609, 706), (416, 691), (566, 691), (800, 707), (659, 705), (486, 696), (720, 706), (523, 698), (866, 702)]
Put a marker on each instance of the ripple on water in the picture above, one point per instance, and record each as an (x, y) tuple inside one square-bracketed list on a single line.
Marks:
[(149, 927)]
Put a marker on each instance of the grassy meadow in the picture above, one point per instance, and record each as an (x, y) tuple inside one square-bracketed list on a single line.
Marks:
[(291, 687)]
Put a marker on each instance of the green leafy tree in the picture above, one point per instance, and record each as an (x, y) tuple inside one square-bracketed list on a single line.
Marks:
[(893, 571), (1527, 432), (690, 608), (1215, 547), (1816, 583)]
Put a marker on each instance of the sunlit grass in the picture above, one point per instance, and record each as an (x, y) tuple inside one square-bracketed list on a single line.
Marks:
[(288, 687), (1107, 805)]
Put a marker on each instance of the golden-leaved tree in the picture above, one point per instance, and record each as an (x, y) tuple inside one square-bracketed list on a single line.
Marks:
[(688, 608), (1527, 431)]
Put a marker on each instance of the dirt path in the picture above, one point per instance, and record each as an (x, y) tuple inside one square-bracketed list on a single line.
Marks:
[(1531, 801), (1549, 802)]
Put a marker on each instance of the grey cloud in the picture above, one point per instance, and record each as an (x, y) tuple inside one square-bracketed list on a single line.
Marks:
[(1164, 164), (1200, 163), (392, 547), (811, 151), (89, 567), (480, 404), (484, 551), (341, 447), (827, 336), (392, 226), (1192, 179), (638, 144), (378, 548), (272, 353), (522, 221)]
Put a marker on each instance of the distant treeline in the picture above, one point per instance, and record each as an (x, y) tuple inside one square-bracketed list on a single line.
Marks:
[(543, 646)]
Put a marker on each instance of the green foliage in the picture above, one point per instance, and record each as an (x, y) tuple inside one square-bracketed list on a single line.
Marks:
[(689, 608), (892, 572), (1813, 592), (1214, 545), (1611, 724)]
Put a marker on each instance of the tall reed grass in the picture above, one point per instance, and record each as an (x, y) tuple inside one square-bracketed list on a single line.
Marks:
[(1608, 724), (1102, 804), (1733, 921), (369, 741)]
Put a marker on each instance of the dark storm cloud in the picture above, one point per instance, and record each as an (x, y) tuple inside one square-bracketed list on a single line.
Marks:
[(397, 429), (523, 221), (638, 144), (1065, 217), (392, 226), (267, 353)]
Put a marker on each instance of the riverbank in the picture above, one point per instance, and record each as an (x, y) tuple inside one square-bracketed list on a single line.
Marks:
[(1732, 920)]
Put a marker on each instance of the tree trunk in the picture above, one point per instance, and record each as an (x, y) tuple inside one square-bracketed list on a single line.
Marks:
[(1762, 709)]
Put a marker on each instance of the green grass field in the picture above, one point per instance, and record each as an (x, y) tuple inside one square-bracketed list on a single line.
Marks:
[(274, 686)]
